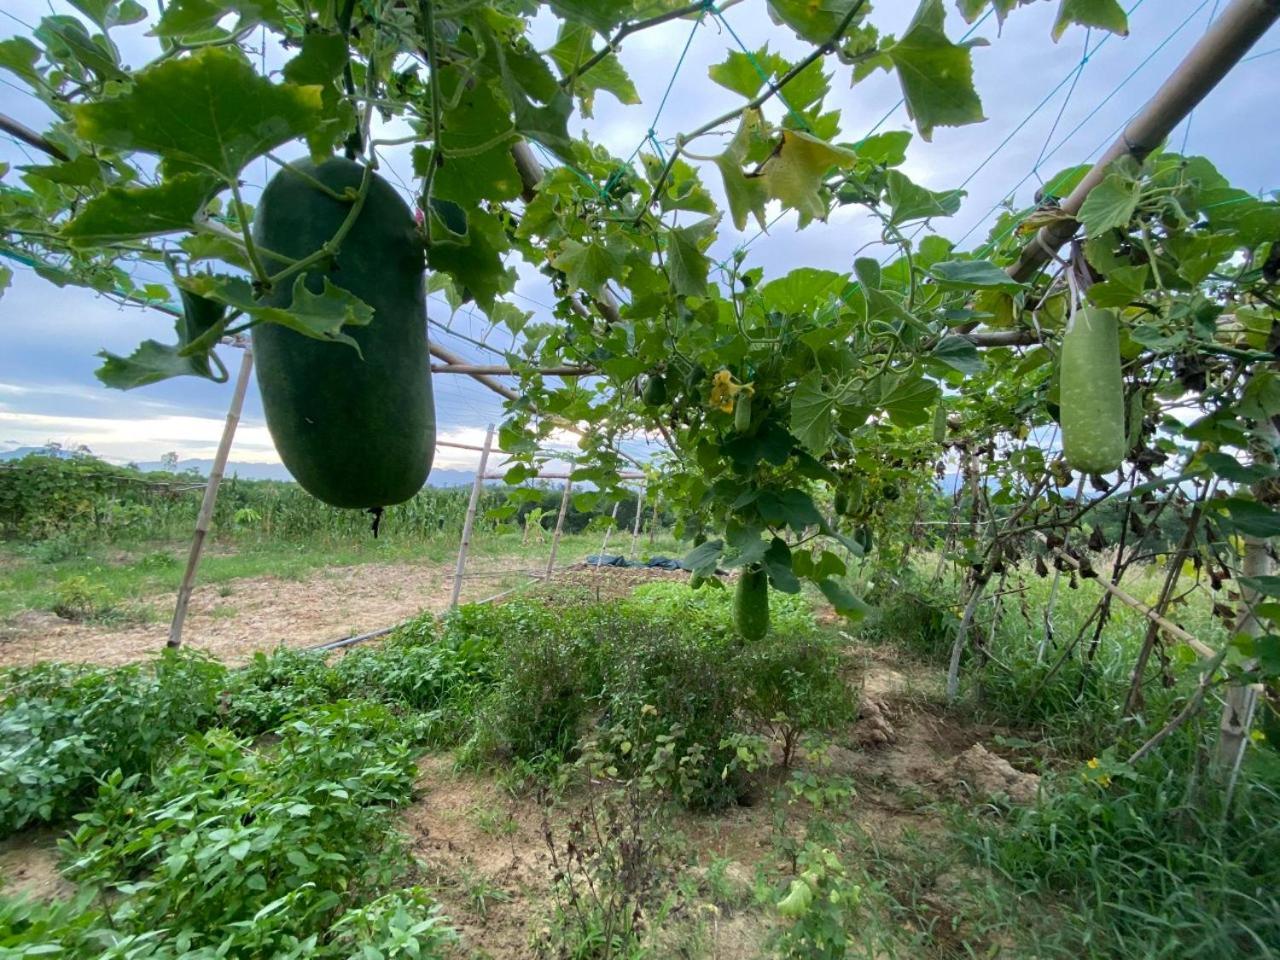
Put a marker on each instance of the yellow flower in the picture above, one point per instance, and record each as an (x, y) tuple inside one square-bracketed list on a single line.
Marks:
[(723, 389), (1104, 780), (1092, 764)]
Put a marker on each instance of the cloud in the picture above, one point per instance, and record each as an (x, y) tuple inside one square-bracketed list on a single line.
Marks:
[(145, 438)]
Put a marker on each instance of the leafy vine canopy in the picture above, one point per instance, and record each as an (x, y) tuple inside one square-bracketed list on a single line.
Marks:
[(768, 392)]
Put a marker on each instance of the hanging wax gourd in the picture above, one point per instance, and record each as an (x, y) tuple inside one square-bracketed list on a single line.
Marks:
[(1092, 392)]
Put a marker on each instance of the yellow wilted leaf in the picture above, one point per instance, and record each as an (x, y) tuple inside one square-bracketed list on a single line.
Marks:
[(795, 172)]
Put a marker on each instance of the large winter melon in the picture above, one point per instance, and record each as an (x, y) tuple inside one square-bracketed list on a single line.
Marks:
[(1091, 393), (356, 429), (751, 604)]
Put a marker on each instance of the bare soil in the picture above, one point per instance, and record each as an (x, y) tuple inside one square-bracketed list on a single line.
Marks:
[(234, 620), (29, 866)]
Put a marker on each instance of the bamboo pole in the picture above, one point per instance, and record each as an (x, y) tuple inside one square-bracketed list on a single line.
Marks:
[(555, 537), (635, 529), (1165, 624), (470, 520), (31, 138), (205, 516), (653, 521), (608, 530), (501, 370), (1223, 45)]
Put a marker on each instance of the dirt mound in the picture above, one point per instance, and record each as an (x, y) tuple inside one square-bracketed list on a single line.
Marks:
[(980, 773)]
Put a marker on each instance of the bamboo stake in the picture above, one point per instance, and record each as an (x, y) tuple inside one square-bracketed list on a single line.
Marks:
[(205, 516), (555, 537), (501, 370), (1168, 626), (470, 520), (635, 529), (608, 530), (653, 521)]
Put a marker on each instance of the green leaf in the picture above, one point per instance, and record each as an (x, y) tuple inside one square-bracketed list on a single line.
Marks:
[(959, 353), (574, 46), (704, 558), (475, 263), (745, 73), (795, 172), (19, 56), (973, 275), (744, 539), (1122, 286), (888, 149), (6, 278), (812, 413), (792, 508), (127, 213), (911, 202), (109, 13), (67, 40), (211, 109), (150, 363), (777, 561), (972, 9), (1110, 205), (936, 74), (1105, 14), (813, 20), (83, 171), (844, 600), (687, 266), (318, 315), (909, 399), (184, 18), (1252, 518), (320, 61), (600, 15), (747, 196), (588, 266)]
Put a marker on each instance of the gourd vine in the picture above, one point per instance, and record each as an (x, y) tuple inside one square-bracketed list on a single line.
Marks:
[(778, 398)]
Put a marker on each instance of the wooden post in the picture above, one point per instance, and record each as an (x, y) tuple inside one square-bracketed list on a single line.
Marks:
[(635, 530), (555, 537), (653, 521), (470, 520), (608, 530), (205, 516)]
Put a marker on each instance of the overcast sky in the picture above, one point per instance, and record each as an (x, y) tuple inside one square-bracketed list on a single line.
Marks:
[(50, 335)]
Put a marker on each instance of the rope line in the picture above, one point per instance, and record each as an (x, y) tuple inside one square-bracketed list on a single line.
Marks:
[(1084, 60), (1186, 133), (1079, 126)]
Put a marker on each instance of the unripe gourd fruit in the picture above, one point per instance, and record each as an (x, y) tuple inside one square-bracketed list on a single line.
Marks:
[(355, 428), (1091, 392), (751, 604)]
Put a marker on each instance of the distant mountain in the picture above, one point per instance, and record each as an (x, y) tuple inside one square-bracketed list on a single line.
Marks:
[(246, 471)]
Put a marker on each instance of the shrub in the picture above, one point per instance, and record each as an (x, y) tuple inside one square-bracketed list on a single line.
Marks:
[(79, 598), (63, 726), (228, 836)]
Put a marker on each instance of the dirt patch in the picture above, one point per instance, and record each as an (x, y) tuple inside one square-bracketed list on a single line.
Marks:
[(482, 852), (29, 866), (233, 620)]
